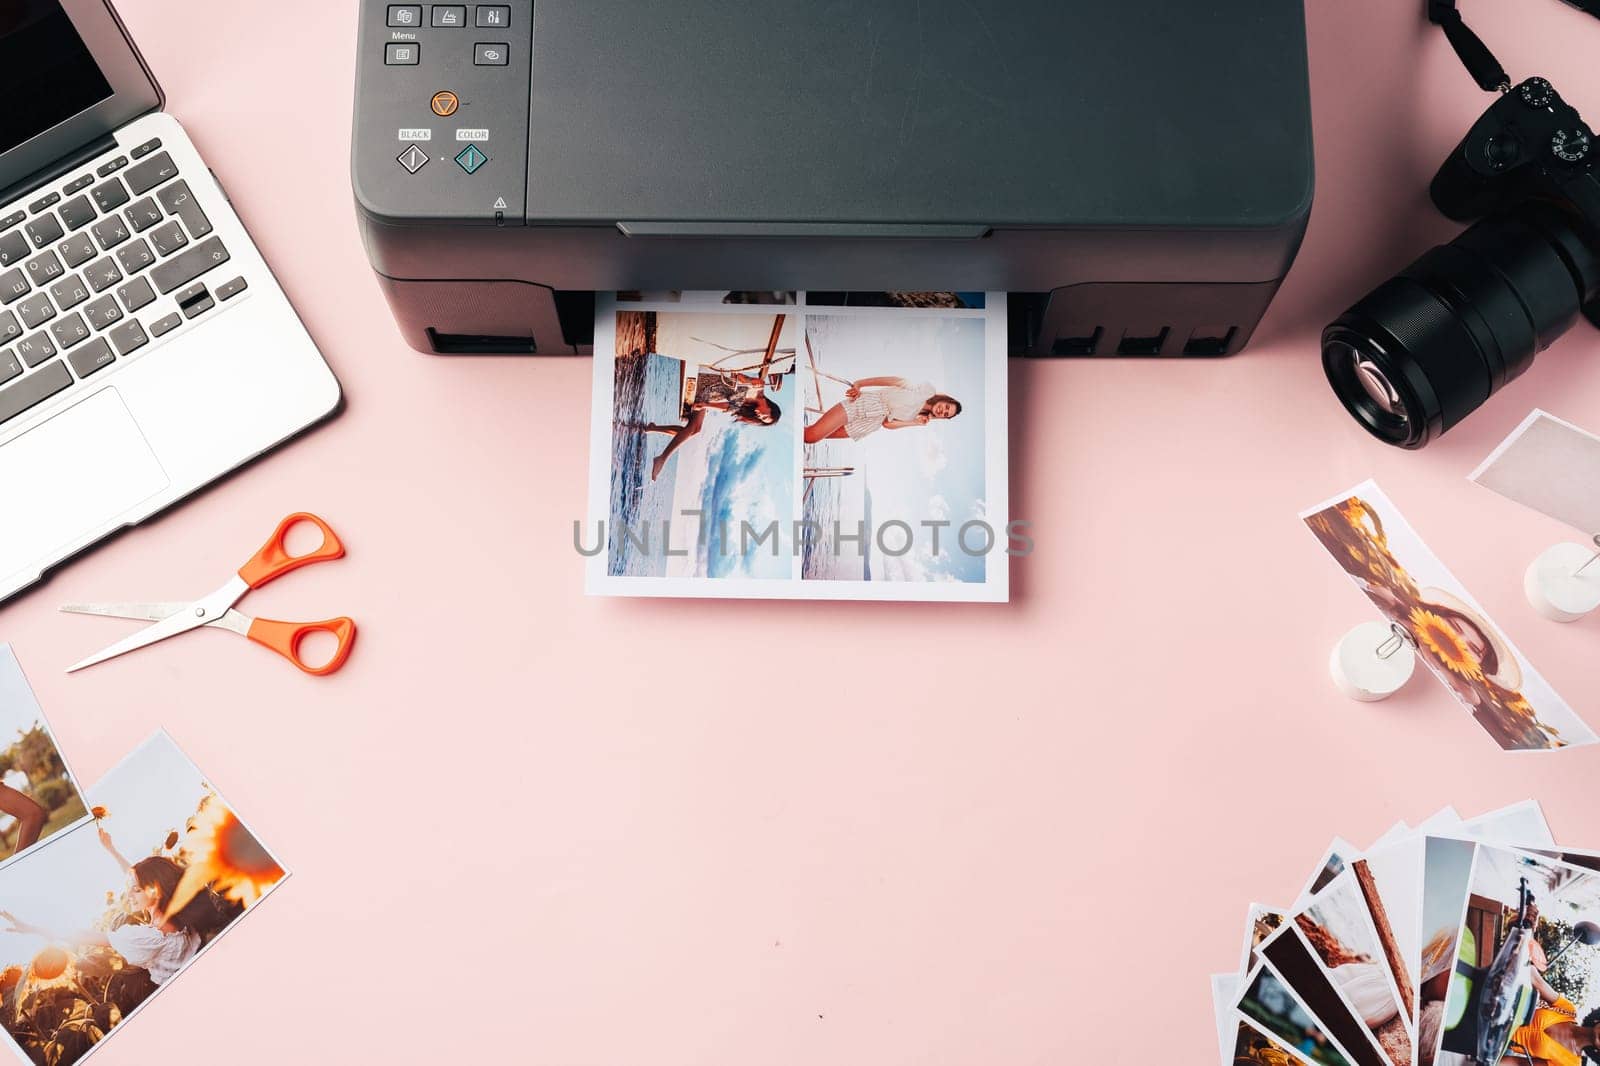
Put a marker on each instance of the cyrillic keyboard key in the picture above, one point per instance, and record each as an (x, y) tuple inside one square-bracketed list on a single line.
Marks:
[(45, 268), (13, 286), (33, 389), (36, 310), (70, 331), (143, 214), (168, 238), (70, 293), (36, 349), (102, 274), (135, 257), (142, 177), (110, 232), (103, 312), (10, 366), (96, 355), (186, 266), (10, 328), (76, 250)]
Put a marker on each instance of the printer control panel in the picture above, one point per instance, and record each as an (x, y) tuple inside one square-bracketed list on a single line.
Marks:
[(441, 116)]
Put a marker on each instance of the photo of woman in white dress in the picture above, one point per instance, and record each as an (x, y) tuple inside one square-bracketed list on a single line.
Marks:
[(871, 404)]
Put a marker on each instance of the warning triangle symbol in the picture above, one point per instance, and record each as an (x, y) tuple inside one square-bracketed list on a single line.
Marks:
[(500, 204)]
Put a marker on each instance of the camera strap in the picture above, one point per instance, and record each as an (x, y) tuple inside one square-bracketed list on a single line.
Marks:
[(1474, 54)]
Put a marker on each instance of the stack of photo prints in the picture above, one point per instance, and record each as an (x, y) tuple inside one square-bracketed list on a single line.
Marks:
[(106, 896), (1453, 942), (808, 445)]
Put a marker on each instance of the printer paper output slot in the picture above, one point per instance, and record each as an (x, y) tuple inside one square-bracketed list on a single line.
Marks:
[(831, 230)]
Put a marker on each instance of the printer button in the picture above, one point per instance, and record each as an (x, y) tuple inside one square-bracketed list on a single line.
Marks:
[(493, 16), (402, 54), (491, 55), (470, 159), (413, 159), (405, 16), (449, 16), (444, 103)]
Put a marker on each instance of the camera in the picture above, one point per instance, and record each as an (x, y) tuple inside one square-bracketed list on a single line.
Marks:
[(1427, 347)]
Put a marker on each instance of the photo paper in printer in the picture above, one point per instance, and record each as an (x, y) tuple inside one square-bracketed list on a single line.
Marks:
[(1137, 177)]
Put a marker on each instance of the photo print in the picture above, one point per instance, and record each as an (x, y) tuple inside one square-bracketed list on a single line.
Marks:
[(1550, 466), (1338, 927), (1366, 534), (1524, 984), (1266, 1002), (851, 446), (38, 795), (1289, 955), (111, 911)]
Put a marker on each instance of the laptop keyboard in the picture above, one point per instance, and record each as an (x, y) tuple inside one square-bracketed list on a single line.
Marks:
[(84, 269)]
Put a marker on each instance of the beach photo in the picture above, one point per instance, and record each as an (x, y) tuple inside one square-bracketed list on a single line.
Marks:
[(111, 911), (704, 417), (38, 795), (905, 438), (1524, 986), (1453, 636)]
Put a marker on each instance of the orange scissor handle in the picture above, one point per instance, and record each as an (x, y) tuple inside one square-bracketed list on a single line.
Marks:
[(274, 560), (285, 637)]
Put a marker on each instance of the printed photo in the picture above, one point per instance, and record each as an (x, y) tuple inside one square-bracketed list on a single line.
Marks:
[(1454, 638), (1331, 865), (902, 430), (38, 796), (755, 445), (1267, 1002), (1252, 1047), (1291, 957), (1447, 869), (935, 300), (1551, 466), (110, 912), (705, 417), (1524, 984), (1339, 929)]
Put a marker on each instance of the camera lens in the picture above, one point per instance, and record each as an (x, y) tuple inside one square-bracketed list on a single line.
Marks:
[(1427, 347)]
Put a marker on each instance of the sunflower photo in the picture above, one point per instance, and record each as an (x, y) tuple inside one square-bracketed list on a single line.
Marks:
[(1453, 636), (38, 795), (113, 910)]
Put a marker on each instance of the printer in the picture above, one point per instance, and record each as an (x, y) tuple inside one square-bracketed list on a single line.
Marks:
[(1135, 174)]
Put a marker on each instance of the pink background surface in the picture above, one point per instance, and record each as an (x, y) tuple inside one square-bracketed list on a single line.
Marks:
[(519, 830)]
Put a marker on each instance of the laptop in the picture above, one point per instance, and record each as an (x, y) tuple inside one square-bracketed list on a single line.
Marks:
[(145, 347)]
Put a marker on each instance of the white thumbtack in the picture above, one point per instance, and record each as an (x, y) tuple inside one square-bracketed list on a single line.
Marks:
[(1563, 584), (1373, 661)]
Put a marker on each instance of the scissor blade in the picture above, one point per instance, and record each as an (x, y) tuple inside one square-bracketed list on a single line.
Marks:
[(149, 612), (170, 626)]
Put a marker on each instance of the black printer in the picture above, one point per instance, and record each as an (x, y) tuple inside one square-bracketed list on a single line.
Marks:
[(1137, 174)]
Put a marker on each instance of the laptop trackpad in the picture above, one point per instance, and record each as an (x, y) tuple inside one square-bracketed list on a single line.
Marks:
[(64, 479)]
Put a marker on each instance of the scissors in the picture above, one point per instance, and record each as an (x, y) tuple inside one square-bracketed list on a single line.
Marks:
[(271, 562)]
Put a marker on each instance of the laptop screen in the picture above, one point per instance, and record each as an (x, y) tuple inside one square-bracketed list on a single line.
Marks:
[(46, 73)]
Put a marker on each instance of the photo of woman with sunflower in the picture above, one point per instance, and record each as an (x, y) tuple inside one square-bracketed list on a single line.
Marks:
[(95, 924), (1453, 636)]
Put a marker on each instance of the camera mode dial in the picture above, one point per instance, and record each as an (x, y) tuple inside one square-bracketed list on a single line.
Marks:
[(1571, 145), (1537, 92)]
